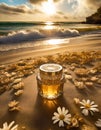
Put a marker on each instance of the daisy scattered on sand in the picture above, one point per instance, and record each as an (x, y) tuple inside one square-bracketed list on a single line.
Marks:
[(17, 80), (13, 103), (18, 86), (98, 123), (79, 84), (19, 92), (88, 107), (76, 100), (67, 76), (62, 116), (75, 121), (10, 126)]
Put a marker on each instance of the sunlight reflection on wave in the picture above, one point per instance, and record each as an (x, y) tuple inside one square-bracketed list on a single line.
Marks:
[(56, 41), (49, 25)]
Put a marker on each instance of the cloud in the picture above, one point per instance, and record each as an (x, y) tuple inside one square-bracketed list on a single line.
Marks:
[(86, 3), (37, 1), (93, 3), (22, 9), (83, 8), (60, 16), (40, 1), (65, 17), (60, 12)]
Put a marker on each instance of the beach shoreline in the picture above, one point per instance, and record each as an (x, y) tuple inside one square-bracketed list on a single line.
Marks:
[(82, 43)]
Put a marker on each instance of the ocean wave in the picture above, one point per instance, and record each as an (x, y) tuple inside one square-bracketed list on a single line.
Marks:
[(29, 35)]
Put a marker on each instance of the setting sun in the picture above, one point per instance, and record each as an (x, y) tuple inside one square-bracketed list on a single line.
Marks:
[(49, 7)]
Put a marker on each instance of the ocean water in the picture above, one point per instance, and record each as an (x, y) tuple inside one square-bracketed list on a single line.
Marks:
[(15, 35)]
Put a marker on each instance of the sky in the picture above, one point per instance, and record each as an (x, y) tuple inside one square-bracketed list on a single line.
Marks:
[(47, 10)]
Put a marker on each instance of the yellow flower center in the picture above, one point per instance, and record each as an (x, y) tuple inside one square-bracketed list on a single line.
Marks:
[(61, 117), (87, 106)]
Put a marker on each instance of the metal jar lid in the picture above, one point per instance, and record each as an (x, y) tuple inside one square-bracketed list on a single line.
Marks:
[(51, 71)]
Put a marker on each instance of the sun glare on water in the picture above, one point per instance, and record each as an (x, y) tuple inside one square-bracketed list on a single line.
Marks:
[(49, 7), (54, 41), (49, 25)]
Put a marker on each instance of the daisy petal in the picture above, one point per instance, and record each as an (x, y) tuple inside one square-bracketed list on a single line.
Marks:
[(94, 109), (98, 123), (82, 107), (67, 120), (99, 120), (54, 118), (15, 127), (68, 116), (61, 123), (11, 124), (59, 110), (85, 112), (91, 112), (55, 121), (63, 109), (94, 105), (88, 101), (84, 101), (66, 111), (56, 114)]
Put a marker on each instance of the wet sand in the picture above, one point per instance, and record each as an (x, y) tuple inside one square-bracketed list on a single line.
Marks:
[(84, 43)]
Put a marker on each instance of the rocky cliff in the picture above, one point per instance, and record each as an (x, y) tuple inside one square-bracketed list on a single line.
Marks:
[(95, 18)]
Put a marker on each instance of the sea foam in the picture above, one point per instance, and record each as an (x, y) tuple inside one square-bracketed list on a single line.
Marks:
[(32, 35)]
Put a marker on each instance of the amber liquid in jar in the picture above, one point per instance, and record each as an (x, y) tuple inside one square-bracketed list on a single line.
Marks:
[(50, 91)]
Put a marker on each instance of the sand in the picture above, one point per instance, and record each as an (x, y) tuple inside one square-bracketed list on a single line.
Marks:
[(35, 112), (84, 43)]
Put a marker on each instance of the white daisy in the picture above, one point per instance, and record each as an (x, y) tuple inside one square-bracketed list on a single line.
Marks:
[(11, 126), (98, 123), (61, 116), (88, 106)]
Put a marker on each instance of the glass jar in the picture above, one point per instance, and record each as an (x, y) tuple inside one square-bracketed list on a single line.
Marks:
[(50, 81)]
